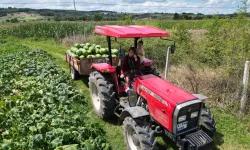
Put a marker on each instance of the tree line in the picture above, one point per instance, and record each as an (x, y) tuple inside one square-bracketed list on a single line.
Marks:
[(100, 15)]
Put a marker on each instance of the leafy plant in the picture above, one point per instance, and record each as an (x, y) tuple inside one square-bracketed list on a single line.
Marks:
[(36, 102)]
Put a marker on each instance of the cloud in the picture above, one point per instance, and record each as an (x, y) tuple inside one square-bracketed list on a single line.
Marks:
[(166, 6)]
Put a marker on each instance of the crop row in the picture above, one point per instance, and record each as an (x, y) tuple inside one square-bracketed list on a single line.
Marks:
[(36, 106)]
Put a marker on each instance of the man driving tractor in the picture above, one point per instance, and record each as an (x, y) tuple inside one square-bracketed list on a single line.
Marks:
[(130, 64)]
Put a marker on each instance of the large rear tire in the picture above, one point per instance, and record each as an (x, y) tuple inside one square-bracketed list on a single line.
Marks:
[(138, 137), (102, 95), (207, 122)]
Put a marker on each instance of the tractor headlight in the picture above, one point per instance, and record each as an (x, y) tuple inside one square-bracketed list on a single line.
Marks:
[(194, 114), (182, 118)]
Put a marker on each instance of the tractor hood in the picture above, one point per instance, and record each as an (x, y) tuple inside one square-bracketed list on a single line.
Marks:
[(163, 89)]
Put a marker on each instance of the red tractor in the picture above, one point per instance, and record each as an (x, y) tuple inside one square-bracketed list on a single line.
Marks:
[(153, 106)]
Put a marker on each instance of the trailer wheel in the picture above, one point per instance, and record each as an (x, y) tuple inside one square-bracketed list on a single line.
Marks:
[(102, 95), (137, 137), (74, 73), (207, 122)]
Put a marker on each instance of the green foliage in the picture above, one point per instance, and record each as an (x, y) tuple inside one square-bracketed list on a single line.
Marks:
[(46, 29), (36, 106), (8, 48), (176, 16), (13, 20), (183, 43), (97, 17), (56, 30), (128, 19)]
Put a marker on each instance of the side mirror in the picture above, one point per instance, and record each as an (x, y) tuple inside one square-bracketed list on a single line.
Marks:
[(172, 48)]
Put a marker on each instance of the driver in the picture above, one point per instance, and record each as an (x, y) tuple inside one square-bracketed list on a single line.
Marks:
[(129, 65)]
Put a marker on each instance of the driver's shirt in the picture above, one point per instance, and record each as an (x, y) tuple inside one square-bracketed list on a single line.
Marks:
[(129, 63)]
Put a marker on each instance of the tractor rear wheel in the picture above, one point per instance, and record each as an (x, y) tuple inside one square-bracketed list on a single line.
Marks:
[(207, 122), (136, 136), (74, 73), (102, 95)]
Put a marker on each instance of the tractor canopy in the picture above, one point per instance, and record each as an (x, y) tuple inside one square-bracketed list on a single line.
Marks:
[(132, 31)]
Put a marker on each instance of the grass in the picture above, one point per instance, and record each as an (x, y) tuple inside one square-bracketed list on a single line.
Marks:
[(233, 132)]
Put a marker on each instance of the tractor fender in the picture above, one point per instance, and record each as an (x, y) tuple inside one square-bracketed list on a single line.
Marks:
[(104, 67), (134, 112)]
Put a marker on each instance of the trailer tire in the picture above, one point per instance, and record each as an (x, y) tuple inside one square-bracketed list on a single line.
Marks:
[(74, 73), (102, 95), (207, 122), (138, 137)]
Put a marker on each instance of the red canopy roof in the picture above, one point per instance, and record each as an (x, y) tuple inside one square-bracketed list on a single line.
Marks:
[(130, 31)]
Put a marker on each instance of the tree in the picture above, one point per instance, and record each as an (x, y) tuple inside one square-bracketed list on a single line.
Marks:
[(128, 19), (243, 7), (176, 16), (57, 18), (242, 11), (122, 17), (14, 20), (97, 17)]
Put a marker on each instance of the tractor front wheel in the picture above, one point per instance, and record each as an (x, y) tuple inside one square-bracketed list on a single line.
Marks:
[(102, 95), (207, 122), (138, 137)]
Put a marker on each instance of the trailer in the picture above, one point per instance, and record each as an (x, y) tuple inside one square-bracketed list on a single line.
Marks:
[(83, 66)]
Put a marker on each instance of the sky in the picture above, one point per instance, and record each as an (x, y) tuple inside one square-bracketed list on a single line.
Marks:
[(134, 6)]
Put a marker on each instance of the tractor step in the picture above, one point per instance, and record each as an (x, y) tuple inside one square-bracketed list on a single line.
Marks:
[(124, 102), (122, 105), (198, 140)]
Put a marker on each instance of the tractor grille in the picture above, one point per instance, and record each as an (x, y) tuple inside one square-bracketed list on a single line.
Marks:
[(192, 123), (198, 140)]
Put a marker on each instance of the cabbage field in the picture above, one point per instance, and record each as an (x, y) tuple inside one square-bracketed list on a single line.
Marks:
[(36, 105), (80, 51)]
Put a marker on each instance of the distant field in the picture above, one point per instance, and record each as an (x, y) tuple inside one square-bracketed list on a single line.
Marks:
[(23, 17)]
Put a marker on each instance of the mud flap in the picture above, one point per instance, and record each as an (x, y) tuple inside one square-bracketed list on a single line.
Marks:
[(134, 112)]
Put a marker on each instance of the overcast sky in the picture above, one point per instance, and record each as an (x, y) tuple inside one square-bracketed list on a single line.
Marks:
[(167, 6)]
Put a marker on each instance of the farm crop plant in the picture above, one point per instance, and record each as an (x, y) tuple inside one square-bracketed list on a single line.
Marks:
[(48, 30), (8, 48), (56, 30), (36, 101)]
